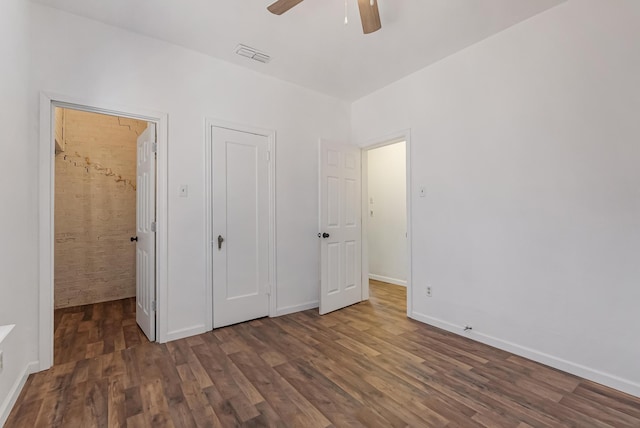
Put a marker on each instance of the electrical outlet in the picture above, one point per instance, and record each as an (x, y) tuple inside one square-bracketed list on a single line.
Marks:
[(429, 292)]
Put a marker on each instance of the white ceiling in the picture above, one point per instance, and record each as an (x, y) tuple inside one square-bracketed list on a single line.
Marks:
[(310, 45)]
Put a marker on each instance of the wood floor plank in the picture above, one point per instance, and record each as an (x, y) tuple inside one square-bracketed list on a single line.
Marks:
[(292, 406), (96, 410), (384, 382), (338, 406), (74, 409), (181, 415), (268, 417), (155, 407), (133, 402), (614, 400), (205, 417), (365, 393), (599, 412), (221, 407), (116, 415), (367, 365), (50, 413), (28, 412)]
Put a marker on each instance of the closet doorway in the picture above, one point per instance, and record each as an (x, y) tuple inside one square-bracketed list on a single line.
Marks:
[(104, 233)]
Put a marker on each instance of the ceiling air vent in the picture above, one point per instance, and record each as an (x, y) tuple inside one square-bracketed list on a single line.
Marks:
[(252, 53)]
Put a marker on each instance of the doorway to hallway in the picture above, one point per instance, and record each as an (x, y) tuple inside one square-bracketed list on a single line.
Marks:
[(386, 214)]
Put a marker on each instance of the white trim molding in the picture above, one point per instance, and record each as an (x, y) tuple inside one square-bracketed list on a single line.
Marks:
[(186, 332), (297, 308), (48, 102), (597, 376), (14, 392), (388, 280), (270, 134)]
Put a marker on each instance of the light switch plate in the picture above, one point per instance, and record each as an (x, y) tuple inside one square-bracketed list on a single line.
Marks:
[(184, 191)]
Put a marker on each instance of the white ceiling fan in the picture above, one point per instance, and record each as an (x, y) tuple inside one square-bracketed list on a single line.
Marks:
[(369, 13)]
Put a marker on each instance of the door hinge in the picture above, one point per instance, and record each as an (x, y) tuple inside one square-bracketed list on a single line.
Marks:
[(153, 305), (154, 147), (153, 226)]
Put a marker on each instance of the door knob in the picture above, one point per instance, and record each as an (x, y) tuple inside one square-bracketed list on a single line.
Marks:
[(220, 241), (324, 235), (134, 238)]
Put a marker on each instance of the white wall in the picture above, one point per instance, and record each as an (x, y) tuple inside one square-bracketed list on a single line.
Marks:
[(18, 222), (529, 146), (387, 226), (88, 60)]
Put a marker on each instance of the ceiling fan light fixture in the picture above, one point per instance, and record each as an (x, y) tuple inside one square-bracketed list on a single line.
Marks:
[(346, 13), (369, 14)]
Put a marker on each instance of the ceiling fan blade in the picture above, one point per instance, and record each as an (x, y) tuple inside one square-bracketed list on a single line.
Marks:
[(370, 16), (281, 6)]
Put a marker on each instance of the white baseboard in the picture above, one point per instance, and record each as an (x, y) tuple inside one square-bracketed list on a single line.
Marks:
[(15, 390), (183, 332), (597, 376), (387, 279), (200, 329), (296, 308)]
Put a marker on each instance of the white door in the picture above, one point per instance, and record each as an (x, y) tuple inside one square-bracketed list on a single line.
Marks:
[(145, 232), (340, 227), (240, 226)]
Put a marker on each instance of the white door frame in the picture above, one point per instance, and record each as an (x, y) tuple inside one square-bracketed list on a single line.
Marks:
[(396, 137), (46, 192), (209, 241)]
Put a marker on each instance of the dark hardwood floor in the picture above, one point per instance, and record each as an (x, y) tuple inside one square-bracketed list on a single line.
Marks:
[(366, 365), (88, 331)]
